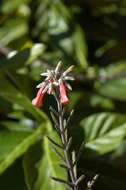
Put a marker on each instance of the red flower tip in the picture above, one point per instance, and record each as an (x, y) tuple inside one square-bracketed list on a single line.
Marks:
[(38, 100), (63, 97)]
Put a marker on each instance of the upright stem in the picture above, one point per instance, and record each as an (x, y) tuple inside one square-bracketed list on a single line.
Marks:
[(65, 142)]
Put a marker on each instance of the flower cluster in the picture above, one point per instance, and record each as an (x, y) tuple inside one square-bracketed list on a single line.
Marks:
[(55, 81)]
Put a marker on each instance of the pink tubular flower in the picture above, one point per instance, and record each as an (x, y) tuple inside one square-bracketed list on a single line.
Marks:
[(38, 100), (63, 97)]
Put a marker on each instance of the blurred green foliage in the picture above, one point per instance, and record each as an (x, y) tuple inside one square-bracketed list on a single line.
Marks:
[(34, 36)]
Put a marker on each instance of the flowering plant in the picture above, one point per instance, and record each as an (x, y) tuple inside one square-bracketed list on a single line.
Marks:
[(56, 83), (33, 35)]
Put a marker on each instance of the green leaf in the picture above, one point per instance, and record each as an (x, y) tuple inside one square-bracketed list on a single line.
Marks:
[(107, 46), (49, 167), (7, 8), (13, 144), (15, 62), (30, 160), (36, 50), (20, 126), (12, 30), (80, 47), (104, 132), (115, 89), (10, 93), (19, 59), (113, 81)]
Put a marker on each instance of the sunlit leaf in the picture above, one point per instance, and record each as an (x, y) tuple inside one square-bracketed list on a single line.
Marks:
[(10, 93), (22, 126), (30, 160), (49, 167), (12, 30), (16, 60), (14, 144), (37, 50), (104, 132), (80, 47), (8, 8), (115, 89)]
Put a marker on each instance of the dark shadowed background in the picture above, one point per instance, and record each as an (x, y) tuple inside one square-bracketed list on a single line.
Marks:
[(34, 36)]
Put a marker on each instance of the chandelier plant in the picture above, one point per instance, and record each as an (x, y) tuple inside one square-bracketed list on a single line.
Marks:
[(56, 83)]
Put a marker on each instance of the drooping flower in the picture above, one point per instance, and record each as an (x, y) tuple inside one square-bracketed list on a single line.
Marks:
[(54, 79), (38, 100), (63, 96)]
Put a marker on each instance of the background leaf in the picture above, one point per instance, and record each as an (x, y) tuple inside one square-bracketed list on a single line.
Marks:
[(104, 132), (114, 89), (49, 166), (19, 142)]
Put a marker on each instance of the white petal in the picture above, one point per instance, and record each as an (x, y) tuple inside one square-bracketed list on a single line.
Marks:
[(41, 85), (68, 70), (44, 74), (68, 86), (58, 67), (69, 78)]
